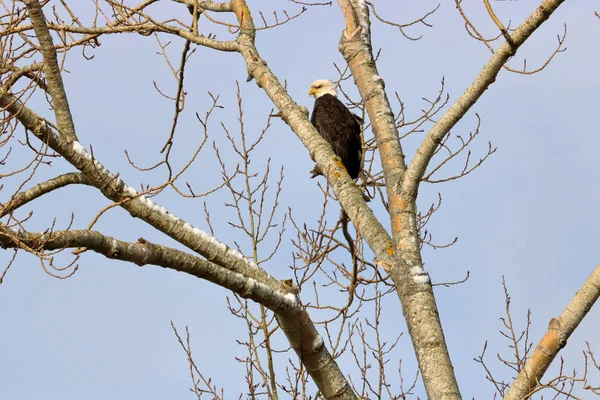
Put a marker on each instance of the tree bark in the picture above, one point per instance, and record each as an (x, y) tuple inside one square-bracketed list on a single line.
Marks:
[(559, 330)]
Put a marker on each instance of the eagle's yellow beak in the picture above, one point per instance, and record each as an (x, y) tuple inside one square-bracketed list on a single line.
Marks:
[(312, 91)]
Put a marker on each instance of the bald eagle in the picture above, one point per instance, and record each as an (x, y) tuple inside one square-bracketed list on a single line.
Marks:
[(338, 125)]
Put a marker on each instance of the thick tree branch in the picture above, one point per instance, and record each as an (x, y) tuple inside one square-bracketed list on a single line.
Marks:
[(355, 45), (333, 385), (41, 189), (292, 317), (227, 267), (348, 194), (137, 205), (56, 88), (416, 294), (146, 253), (559, 331), (486, 77), (413, 285), (299, 329)]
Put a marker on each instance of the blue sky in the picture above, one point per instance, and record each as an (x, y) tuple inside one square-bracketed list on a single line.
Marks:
[(529, 214)]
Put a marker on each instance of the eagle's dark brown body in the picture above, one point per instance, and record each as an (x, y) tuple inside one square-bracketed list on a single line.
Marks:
[(341, 128)]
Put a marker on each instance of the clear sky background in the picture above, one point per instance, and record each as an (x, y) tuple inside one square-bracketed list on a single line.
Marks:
[(529, 214)]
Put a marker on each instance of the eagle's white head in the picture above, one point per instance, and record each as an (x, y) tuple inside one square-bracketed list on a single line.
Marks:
[(321, 87)]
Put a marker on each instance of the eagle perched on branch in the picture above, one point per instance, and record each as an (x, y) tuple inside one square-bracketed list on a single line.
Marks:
[(338, 125)]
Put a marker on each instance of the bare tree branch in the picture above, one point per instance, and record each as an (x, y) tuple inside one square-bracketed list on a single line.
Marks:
[(146, 253), (559, 331), (27, 70), (486, 77), (41, 189), (398, 266), (413, 285), (139, 206), (209, 5), (301, 333), (347, 193), (64, 120)]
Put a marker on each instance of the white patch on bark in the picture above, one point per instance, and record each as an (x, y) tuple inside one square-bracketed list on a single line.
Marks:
[(197, 231), (163, 211), (291, 299), (239, 256), (363, 20), (78, 148), (250, 283), (149, 203), (421, 279), (418, 274), (417, 270), (173, 217), (318, 343), (257, 288), (239, 278), (128, 190), (214, 242)]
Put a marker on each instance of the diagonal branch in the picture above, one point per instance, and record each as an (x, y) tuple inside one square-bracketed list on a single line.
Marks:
[(559, 330), (18, 73), (291, 315), (334, 385), (347, 193), (41, 189), (355, 46), (486, 77), (139, 206), (64, 120), (412, 283), (498, 23), (146, 253), (299, 329)]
